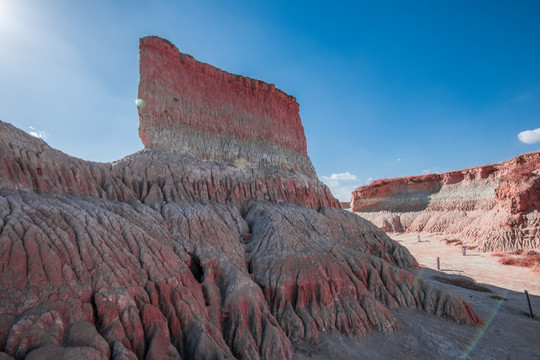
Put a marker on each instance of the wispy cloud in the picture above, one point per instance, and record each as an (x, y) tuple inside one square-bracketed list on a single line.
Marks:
[(523, 97), (529, 95), (345, 176), (342, 192), (342, 184), (529, 136)]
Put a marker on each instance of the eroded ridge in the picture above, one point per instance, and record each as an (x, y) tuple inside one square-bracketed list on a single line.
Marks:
[(181, 251), (495, 207), (92, 269)]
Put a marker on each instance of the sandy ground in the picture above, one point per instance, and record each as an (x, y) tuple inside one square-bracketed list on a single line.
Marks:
[(482, 267), (508, 331)]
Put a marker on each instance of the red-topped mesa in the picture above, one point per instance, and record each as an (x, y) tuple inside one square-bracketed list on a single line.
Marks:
[(192, 107)]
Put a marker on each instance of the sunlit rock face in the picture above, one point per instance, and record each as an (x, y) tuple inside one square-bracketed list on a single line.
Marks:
[(184, 251), (193, 108), (196, 108), (495, 207)]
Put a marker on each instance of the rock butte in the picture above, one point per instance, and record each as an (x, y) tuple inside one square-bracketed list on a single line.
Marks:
[(495, 207), (194, 107), (175, 252)]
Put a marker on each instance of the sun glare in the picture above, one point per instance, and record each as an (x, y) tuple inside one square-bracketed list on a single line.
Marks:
[(15, 16), (6, 16), (4, 9)]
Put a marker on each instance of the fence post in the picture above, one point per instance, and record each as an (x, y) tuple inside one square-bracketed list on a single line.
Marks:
[(530, 307), (438, 263), (464, 251)]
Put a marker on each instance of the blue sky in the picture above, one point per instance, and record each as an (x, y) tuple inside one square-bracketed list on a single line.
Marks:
[(386, 88)]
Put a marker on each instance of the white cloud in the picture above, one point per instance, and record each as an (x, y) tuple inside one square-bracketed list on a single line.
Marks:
[(398, 159), (40, 134), (346, 176), (343, 192), (336, 184), (529, 136), (426, 171)]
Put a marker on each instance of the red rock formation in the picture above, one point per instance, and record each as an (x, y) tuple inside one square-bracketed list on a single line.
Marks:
[(164, 255), (345, 205), (494, 207), (194, 107)]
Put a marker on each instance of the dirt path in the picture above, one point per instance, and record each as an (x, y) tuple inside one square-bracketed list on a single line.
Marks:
[(479, 266)]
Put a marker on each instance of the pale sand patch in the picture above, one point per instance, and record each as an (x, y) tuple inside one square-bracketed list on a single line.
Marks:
[(477, 265)]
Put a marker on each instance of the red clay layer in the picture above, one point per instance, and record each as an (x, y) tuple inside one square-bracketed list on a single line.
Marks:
[(495, 207), (518, 185), (178, 89)]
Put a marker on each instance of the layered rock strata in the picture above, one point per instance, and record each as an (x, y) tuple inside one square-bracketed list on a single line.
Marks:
[(177, 253), (495, 207), (189, 106)]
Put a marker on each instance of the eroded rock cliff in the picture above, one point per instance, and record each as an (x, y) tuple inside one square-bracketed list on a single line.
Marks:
[(194, 107), (495, 207), (181, 250)]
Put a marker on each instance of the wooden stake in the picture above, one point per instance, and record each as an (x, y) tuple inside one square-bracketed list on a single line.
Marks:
[(438, 263), (464, 251), (530, 307)]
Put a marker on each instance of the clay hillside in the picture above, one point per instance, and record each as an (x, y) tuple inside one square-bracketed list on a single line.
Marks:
[(493, 207), (216, 241)]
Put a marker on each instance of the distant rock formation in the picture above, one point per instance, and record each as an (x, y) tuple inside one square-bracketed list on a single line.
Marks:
[(345, 205), (495, 207), (184, 251)]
